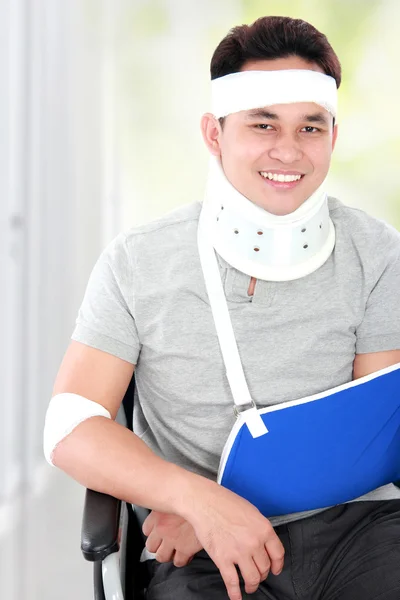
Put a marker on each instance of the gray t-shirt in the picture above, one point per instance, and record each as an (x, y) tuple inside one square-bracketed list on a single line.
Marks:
[(146, 303)]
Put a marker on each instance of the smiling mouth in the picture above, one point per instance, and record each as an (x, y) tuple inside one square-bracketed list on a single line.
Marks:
[(281, 181)]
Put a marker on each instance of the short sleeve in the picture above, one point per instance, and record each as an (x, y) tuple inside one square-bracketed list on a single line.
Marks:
[(106, 317), (380, 328)]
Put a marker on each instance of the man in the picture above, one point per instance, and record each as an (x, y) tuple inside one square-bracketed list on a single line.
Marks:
[(324, 316)]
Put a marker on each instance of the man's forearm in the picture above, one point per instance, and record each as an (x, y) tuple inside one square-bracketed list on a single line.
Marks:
[(105, 456)]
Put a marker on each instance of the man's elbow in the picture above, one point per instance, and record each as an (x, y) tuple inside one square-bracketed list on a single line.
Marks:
[(365, 364)]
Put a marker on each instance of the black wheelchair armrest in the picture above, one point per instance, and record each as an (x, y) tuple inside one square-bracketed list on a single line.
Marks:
[(100, 526)]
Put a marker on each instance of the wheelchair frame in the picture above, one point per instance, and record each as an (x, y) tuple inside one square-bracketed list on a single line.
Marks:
[(112, 536)]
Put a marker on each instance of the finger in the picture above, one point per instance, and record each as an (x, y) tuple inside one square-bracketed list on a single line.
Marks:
[(231, 579), (181, 559), (263, 563), (276, 553), (250, 575), (148, 524), (165, 552), (153, 542)]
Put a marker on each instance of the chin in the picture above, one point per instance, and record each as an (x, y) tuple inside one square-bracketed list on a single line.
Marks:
[(280, 207), (281, 212)]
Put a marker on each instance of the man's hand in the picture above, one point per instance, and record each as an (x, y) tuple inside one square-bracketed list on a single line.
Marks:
[(234, 534), (171, 538)]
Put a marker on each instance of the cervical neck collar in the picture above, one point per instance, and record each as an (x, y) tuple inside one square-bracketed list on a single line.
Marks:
[(260, 244)]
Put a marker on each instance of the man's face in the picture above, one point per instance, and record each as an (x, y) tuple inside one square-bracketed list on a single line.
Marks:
[(284, 139)]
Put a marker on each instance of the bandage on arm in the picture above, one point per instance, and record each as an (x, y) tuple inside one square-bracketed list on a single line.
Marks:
[(103, 455), (64, 413)]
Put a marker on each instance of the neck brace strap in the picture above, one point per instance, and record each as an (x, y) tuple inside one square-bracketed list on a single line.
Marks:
[(208, 239), (226, 336)]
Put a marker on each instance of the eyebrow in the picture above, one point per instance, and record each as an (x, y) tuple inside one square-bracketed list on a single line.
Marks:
[(265, 114)]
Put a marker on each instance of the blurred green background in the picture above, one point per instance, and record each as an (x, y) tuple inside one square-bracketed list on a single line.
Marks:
[(163, 63)]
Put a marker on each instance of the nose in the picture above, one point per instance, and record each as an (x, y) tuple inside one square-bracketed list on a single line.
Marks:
[(286, 149)]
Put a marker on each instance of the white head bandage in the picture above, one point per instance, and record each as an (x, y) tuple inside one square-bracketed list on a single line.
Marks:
[(248, 90), (64, 413)]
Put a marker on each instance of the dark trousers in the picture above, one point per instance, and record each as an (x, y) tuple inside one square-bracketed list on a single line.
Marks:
[(349, 552)]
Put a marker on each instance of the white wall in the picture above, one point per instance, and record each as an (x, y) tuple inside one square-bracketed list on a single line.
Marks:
[(57, 213), (68, 184)]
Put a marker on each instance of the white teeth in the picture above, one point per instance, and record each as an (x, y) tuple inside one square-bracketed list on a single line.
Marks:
[(280, 177)]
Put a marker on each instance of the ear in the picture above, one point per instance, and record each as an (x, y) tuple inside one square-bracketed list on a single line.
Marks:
[(211, 131), (334, 136)]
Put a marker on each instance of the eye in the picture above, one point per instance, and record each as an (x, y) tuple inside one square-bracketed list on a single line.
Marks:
[(262, 126), (309, 127)]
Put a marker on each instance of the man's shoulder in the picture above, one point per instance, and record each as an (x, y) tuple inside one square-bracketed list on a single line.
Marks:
[(181, 218), (369, 234), (171, 237)]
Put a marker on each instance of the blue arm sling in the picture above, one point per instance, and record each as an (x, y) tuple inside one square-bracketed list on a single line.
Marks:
[(311, 453), (319, 451)]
